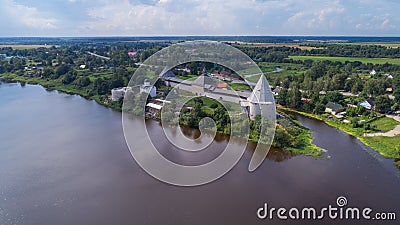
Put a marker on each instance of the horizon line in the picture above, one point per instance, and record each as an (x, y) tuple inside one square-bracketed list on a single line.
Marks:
[(153, 36)]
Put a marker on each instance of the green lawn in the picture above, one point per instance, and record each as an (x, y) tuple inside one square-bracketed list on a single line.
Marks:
[(350, 59), (239, 87), (385, 124), (253, 79), (386, 146), (189, 76), (95, 76)]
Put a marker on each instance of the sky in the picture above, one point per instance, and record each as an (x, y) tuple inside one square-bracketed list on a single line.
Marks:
[(199, 17)]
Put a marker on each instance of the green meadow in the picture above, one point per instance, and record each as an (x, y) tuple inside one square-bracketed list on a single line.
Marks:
[(348, 59)]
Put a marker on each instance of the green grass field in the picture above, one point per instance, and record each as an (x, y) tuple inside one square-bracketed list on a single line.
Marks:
[(240, 87), (96, 76), (188, 76), (386, 146), (385, 44), (349, 59), (385, 124), (22, 47)]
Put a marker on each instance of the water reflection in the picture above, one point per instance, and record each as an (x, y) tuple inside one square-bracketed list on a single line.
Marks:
[(65, 161), (275, 154)]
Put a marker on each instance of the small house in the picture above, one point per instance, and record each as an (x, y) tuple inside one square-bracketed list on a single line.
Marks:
[(351, 105), (276, 90), (390, 76), (132, 54), (222, 85), (333, 108), (368, 104)]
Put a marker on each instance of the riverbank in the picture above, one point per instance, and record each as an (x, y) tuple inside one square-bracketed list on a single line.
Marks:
[(296, 137), (386, 146), (56, 84)]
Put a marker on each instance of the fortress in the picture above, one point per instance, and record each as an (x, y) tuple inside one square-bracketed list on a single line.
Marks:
[(258, 102)]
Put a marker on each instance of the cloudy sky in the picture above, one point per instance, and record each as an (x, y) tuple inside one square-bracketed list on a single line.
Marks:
[(198, 17)]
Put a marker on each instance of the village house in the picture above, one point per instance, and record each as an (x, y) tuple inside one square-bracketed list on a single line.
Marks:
[(222, 85), (276, 90), (368, 104), (305, 99), (390, 76), (333, 108), (132, 54)]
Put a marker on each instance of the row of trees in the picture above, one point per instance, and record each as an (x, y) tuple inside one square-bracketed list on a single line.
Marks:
[(280, 54)]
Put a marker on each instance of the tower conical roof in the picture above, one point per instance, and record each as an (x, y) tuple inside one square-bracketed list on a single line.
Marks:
[(261, 92)]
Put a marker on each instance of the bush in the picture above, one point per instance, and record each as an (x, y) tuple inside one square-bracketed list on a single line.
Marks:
[(214, 105), (367, 126), (354, 122)]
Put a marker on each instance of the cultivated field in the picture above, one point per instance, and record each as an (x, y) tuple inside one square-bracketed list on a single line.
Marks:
[(25, 46), (290, 45), (349, 59)]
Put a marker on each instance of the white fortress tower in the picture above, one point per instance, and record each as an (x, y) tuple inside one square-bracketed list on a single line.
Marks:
[(261, 101), (148, 88)]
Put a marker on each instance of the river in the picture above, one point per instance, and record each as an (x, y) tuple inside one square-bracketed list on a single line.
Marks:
[(64, 160)]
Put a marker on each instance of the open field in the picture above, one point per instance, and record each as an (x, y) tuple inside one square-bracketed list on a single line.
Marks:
[(386, 44), (349, 59), (391, 45), (188, 76), (96, 76), (385, 124), (290, 45), (25, 46)]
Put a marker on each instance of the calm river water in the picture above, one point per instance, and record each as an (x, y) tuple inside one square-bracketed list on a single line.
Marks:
[(64, 160)]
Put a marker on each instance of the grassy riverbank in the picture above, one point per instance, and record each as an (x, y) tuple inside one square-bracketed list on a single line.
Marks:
[(388, 147), (290, 134), (56, 84), (303, 137)]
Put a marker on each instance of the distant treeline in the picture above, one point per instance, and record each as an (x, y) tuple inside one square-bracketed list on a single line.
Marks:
[(281, 54)]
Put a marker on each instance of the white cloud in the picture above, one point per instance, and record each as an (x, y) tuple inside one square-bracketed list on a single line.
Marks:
[(200, 17), (194, 17), (164, 17), (24, 16)]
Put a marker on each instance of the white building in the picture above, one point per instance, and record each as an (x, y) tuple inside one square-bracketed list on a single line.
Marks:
[(260, 101), (148, 88), (373, 72), (118, 93)]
